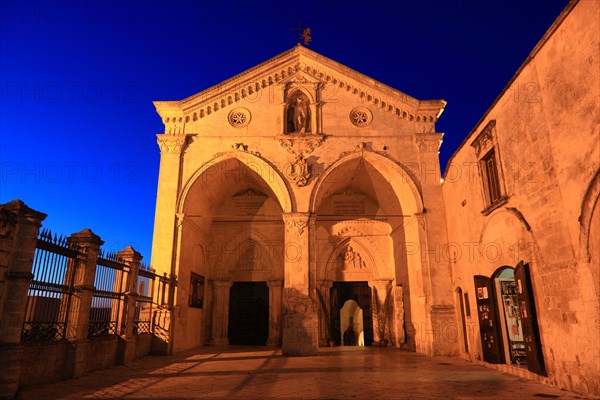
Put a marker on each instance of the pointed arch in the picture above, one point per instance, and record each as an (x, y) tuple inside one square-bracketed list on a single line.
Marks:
[(403, 185), (269, 175), (588, 205)]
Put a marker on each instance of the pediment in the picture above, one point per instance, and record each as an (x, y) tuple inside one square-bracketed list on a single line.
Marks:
[(299, 66)]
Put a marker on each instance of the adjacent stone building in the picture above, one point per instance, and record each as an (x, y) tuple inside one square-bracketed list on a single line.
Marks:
[(523, 218), (300, 203)]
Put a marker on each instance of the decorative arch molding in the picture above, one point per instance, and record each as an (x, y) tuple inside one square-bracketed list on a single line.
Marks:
[(253, 161), (352, 233), (403, 185), (590, 200), (237, 246), (521, 245), (177, 114), (331, 266)]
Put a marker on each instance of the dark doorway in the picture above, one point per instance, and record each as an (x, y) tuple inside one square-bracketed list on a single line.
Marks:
[(359, 292), (248, 313)]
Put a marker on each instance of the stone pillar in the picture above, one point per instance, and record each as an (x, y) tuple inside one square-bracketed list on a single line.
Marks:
[(382, 308), (169, 184), (82, 272), (300, 321), (221, 290), (324, 298), (275, 293), (398, 325), (19, 228), (127, 339)]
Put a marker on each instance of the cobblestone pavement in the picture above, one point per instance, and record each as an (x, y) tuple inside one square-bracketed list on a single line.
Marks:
[(262, 372)]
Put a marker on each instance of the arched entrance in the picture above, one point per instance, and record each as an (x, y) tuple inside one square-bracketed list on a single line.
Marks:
[(362, 206), (232, 210), (508, 323)]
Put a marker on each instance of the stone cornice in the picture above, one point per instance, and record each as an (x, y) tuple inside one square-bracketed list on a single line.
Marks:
[(278, 69)]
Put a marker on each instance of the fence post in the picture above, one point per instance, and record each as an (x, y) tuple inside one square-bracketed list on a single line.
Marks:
[(19, 228), (127, 342), (83, 273)]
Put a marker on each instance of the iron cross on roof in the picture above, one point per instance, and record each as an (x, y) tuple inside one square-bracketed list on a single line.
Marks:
[(304, 34)]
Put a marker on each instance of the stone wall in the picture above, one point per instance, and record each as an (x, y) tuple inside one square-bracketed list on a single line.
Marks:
[(544, 130)]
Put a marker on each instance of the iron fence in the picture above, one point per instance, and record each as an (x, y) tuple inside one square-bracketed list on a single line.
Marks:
[(53, 288), (50, 290), (110, 283)]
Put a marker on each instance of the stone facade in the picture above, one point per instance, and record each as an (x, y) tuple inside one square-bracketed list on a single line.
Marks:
[(543, 135), (302, 174), (320, 185)]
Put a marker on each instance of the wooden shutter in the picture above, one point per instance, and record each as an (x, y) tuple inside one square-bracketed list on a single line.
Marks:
[(531, 335), (489, 328)]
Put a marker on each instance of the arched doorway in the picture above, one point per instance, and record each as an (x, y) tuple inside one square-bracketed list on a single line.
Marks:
[(364, 207), (231, 211), (508, 323)]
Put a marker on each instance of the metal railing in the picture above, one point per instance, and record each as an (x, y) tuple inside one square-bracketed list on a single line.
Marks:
[(50, 290), (110, 285), (53, 290)]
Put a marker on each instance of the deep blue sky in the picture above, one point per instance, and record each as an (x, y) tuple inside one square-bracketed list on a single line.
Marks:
[(77, 124)]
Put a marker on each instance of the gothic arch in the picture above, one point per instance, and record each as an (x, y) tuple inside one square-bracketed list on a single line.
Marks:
[(589, 207), (236, 250), (270, 176), (330, 267), (510, 242), (402, 184)]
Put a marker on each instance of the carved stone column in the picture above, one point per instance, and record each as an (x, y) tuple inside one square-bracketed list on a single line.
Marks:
[(324, 288), (169, 185), (382, 308), (300, 321), (275, 297), (220, 313), (398, 333)]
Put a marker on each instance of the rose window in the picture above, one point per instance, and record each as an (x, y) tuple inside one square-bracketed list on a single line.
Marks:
[(239, 117), (361, 117)]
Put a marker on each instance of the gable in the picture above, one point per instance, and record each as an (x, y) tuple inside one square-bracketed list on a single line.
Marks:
[(302, 68)]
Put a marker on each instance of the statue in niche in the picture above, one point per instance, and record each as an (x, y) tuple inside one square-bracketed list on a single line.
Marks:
[(298, 118), (351, 259)]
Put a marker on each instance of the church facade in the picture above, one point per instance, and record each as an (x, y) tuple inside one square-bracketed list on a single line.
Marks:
[(300, 203)]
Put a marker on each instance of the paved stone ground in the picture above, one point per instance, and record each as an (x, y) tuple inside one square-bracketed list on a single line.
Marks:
[(262, 372)]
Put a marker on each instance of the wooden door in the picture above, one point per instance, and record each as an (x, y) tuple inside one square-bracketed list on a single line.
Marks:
[(531, 334), (489, 327)]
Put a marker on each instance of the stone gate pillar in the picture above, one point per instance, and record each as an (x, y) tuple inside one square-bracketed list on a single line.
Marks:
[(19, 228), (300, 317), (220, 312), (127, 341), (275, 294)]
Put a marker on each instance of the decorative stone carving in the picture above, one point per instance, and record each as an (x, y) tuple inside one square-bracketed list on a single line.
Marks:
[(485, 139), (298, 113), (428, 142), (300, 223), (351, 260), (361, 117), (171, 143), (298, 171), (301, 145), (239, 117)]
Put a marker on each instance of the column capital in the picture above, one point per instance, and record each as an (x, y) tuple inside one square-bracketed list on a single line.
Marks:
[(296, 220), (171, 144)]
